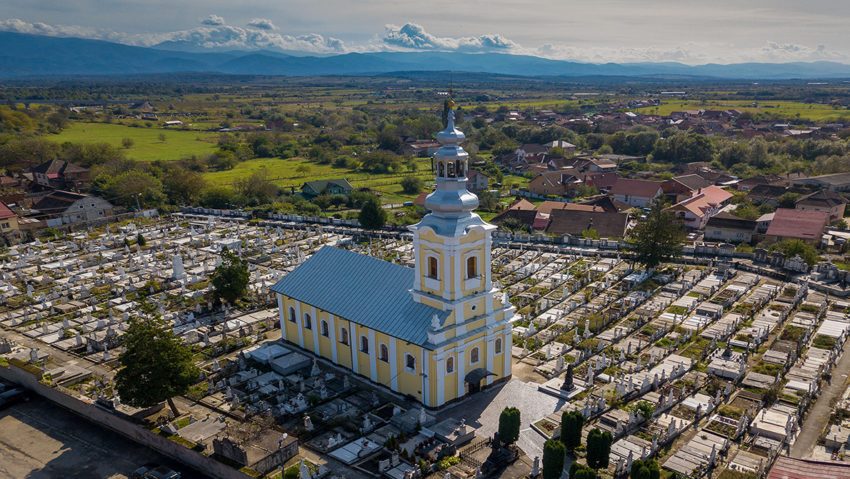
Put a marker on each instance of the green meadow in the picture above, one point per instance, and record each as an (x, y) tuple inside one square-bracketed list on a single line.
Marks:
[(147, 146)]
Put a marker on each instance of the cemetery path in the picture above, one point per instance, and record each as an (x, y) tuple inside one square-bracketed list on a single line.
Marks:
[(819, 414)]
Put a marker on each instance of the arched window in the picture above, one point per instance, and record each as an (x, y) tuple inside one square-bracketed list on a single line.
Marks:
[(498, 346), (471, 267), (451, 170), (292, 315), (450, 365), (384, 354), (308, 321), (459, 169), (325, 332), (409, 362), (343, 336), (473, 355), (440, 169), (364, 344), (432, 266)]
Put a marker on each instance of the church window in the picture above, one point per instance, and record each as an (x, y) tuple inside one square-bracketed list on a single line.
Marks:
[(384, 354), (471, 267), (432, 266), (440, 169), (308, 321), (410, 362), (325, 332), (498, 346), (473, 355), (343, 336), (292, 315), (459, 169), (364, 344), (451, 170), (450, 365)]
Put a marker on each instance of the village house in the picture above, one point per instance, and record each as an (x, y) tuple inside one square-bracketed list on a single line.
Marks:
[(61, 175), (573, 222), (832, 182), (8, 219), (312, 189), (555, 183), (477, 181), (695, 211), (728, 228), (637, 193), (805, 225), (73, 207), (823, 200), (679, 188)]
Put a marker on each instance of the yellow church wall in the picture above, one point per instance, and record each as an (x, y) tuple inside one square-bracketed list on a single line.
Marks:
[(409, 383), (450, 380), (480, 308), (325, 348), (343, 351)]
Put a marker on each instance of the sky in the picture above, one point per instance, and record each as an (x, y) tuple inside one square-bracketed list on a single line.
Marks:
[(598, 31)]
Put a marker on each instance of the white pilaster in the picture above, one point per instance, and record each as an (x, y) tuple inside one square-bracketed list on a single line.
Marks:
[(507, 350), (441, 381), (282, 315), (373, 357), (424, 369), (461, 370), (299, 323), (488, 274), (393, 365), (317, 327), (490, 356), (354, 339), (333, 336)]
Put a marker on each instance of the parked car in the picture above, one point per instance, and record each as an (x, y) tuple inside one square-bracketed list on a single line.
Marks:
[(154, 471)]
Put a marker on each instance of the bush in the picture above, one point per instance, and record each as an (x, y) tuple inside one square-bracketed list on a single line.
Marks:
[(509, 423), (411, 185)]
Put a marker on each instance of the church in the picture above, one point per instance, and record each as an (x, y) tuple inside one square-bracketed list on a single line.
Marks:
[(435, 332)]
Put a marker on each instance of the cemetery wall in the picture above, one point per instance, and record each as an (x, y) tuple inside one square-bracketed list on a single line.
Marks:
[(134, 432)]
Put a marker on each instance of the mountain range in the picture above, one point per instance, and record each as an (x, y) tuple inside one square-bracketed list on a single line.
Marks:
[(24, 55)]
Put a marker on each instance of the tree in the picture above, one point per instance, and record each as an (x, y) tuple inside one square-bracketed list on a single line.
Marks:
[(509, 423), (162, 137), (372, 215), (127, 143), (140, 240), (302, 170), (598, 448), (156, 364), (590, 233), (183, 186), (795, 247), (571, 424), (645, 409), (580, 471), (644, 469), (411, 185), (136, 185), (657, 238), (230, 278), (554, 453)]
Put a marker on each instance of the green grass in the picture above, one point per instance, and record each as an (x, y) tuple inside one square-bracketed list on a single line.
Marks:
[(781, 109), (282, 173), (147, 146)]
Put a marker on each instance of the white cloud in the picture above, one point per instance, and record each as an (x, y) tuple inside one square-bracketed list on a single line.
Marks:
[(414, 37), (212, 20), (262, 24)]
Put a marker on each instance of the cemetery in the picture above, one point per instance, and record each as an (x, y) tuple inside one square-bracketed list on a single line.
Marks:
[(699, 365)]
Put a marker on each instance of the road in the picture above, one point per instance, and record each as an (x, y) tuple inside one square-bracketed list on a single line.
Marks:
[(818, 415)]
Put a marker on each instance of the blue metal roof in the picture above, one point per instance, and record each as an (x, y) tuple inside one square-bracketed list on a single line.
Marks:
[(368, 291)]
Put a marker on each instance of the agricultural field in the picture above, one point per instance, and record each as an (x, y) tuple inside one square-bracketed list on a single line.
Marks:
[(780, 109), (147, 145)]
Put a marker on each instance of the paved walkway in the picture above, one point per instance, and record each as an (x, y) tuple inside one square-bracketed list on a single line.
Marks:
[(818, 415), (483, 409)]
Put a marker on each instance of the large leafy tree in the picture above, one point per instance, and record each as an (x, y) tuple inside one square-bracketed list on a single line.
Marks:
[(156, 366), (571, 424), (509, 423), (230, 278), (372, 216), (657, 237), (554, 454)]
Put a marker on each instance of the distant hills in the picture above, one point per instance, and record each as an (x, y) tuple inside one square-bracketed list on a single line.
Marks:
[(23, 55)]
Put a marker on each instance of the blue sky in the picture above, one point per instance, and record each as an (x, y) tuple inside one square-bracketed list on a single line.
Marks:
[(688, 31)]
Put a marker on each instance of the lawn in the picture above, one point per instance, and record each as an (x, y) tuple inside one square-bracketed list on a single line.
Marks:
[(781, 109), (146, 143), (283, 173)]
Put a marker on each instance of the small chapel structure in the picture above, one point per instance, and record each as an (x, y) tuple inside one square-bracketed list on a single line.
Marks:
[(436, 332)]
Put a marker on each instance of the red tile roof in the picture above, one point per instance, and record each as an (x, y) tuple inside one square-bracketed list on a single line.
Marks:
[(639, 188), (5, 212), (790, 468), (801, 224)]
